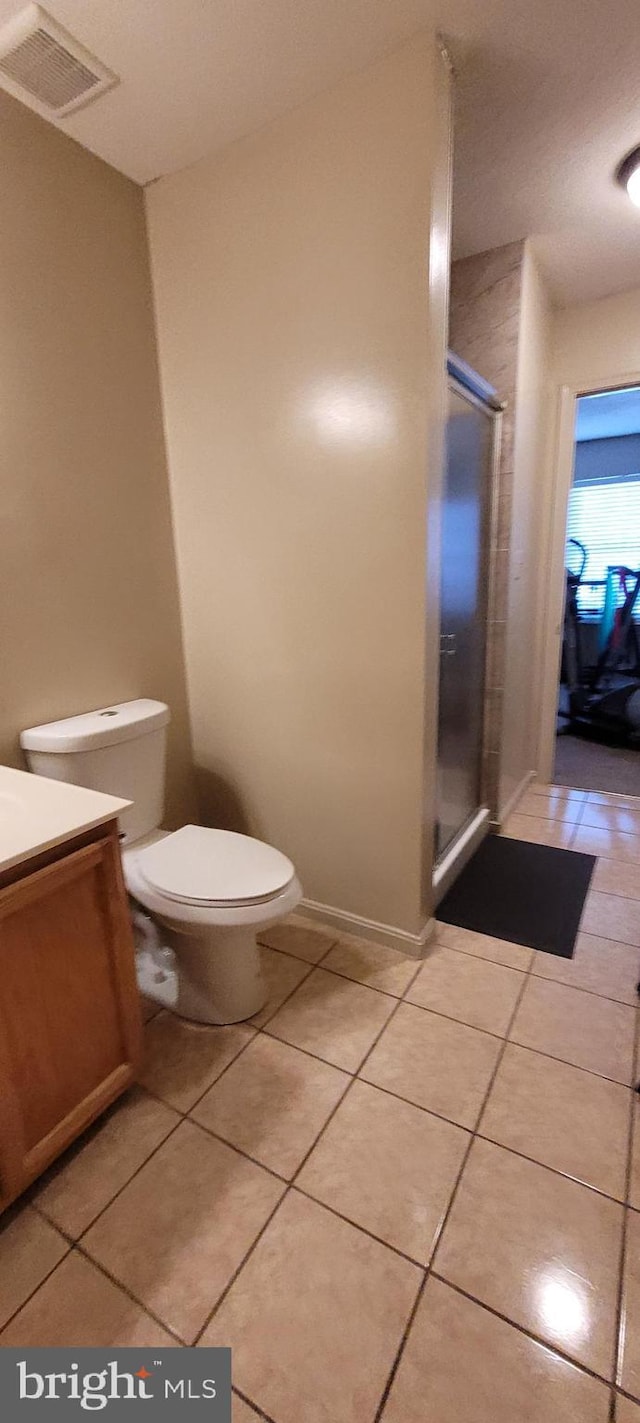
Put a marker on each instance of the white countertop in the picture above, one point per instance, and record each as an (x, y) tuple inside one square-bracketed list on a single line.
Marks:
[(37, 814)]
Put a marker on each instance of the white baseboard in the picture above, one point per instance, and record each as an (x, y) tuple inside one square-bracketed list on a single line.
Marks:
[(505, 810), (346, 923)]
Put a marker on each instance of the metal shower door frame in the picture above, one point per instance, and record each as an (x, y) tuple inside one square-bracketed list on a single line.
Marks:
[(472, 388)]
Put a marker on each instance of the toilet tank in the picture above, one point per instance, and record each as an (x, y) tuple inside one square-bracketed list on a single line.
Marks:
[(119, 749)]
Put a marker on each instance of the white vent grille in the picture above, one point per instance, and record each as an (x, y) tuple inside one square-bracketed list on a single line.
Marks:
[(46, 68)]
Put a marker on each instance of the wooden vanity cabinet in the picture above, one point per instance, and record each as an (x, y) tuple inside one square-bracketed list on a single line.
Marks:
[(70, 1029)]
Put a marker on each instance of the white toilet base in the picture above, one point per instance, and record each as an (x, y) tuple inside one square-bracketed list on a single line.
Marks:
[(210, 970), (157, 982), (217, 978)]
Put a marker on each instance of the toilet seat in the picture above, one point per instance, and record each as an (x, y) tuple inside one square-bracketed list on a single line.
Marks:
[(214, 868)]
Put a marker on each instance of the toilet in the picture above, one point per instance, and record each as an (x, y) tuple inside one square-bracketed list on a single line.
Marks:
[(200, 895)]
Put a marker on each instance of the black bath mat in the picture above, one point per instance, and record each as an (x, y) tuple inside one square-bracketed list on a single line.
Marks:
[(530, 894)]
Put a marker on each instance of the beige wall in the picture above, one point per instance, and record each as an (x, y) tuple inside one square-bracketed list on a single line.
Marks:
[(597, 341), (297, 361), (437, 413), (523, 650), (87, 578)]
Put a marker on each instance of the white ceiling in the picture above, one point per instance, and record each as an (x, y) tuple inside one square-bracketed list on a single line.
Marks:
[(609, 414), (547, 110), (548, 102)]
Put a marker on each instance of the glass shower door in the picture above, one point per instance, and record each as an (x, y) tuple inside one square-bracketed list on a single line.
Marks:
[(463, 614)]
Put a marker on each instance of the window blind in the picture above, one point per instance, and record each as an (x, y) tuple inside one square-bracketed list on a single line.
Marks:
[(604, 515)]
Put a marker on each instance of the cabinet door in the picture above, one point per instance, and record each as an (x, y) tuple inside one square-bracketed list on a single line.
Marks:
[(69, 1013)]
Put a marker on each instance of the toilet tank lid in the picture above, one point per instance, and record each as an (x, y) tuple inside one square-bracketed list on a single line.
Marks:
[(122, 721)]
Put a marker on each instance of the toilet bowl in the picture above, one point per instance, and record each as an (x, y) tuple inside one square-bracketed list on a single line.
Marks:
[(208, 891)]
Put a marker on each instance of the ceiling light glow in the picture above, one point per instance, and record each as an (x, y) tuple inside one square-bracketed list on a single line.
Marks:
[(628, 175), (633, 186)]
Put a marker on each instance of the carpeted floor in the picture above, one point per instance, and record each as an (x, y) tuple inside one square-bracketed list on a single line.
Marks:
[(593, 766)]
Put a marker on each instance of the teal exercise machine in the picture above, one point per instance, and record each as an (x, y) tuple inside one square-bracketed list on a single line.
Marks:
[(602, 697)]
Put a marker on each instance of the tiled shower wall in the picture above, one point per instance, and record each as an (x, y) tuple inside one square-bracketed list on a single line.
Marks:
[(486, 292)]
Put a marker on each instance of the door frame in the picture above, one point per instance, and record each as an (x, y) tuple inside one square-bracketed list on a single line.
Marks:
[(553, 561), (466, 382)]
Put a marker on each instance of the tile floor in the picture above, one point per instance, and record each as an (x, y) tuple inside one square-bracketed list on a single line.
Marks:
[(406, 1192)]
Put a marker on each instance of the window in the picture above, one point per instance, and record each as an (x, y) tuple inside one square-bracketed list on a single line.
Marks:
[(604, 515)]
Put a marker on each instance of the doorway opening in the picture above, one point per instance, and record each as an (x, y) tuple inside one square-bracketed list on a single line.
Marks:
[(598, 710)]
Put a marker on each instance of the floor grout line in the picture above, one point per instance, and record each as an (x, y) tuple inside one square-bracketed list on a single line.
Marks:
[(120, 1284), (508, 967), (259, 1026), (620, 1323), (355, 1076), (555, 1170), (561, 821), (312, 963), (619, 800), (76, 1248), (592, 992), (470, 954), (608, 830), (210, 1084), (435, 942), (610, 893), (427, 1112), (182, 1116), (75, 1239), (186, 1115), (485, 1099), (375, 988), (531, 972), (439, 1013), (447, 1214), (253, 1036), (246, 1257), (417, 1106), (521, 1329), (266, 1417), (627, 897), (348, 1220), (604, 1077), (291, 1183), (42, 1282), (527, 973), (224, 1141)]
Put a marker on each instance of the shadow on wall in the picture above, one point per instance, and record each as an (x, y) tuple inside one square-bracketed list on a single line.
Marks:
[(219, 802)]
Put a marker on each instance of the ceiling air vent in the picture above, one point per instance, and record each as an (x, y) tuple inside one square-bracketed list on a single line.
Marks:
[(45, 67)]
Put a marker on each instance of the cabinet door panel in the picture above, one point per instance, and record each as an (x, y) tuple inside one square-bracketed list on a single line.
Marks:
[(11, 1136), (68, 1012)]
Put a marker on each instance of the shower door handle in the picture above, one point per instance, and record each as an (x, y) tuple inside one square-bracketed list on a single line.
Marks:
[(447, 644)]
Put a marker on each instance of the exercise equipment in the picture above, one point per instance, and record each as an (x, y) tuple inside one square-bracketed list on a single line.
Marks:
[(601, 697)]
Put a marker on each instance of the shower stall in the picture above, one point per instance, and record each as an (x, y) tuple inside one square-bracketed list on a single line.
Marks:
[(468, 512)]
